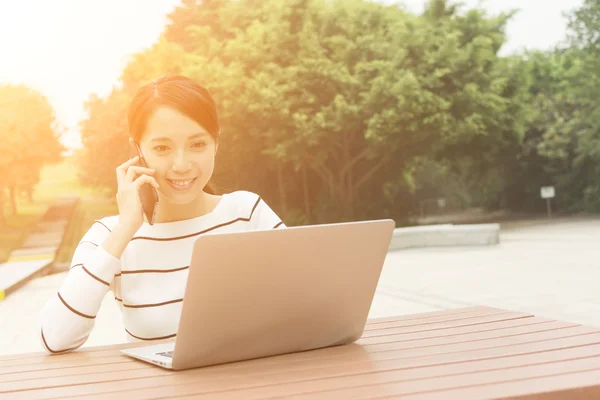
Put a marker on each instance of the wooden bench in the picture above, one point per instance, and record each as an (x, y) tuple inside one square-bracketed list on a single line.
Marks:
[(37, 253), (468, 353)]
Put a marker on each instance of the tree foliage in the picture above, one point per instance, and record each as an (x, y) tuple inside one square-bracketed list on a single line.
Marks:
[(338, 110), (30, 139)]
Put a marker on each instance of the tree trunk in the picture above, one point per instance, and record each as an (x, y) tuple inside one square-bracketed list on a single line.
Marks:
[(306, 195), (351, 195), (344, 186), (281, 190), (13, 200)]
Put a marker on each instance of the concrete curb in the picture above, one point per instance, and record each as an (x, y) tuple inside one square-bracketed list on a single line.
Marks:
[(445, 235)]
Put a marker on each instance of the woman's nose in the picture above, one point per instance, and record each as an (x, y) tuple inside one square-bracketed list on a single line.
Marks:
[(181, 162)]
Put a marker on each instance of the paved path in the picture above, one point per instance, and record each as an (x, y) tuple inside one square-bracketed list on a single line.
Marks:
[(550, 268)]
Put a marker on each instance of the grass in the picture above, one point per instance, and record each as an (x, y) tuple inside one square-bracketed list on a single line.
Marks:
[(14, 230), (88, 210), (61, 180), (55, 181)]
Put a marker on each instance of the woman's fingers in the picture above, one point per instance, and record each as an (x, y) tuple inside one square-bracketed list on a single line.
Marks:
[(143, 179), (122, 169), (134, 171)]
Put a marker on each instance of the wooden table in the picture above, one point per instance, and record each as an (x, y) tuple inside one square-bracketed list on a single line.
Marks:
[(468, 353)]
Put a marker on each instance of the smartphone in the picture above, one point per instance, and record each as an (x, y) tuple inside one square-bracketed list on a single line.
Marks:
[(148, 193)]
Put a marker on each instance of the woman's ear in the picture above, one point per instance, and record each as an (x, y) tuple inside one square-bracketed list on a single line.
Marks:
[(132, 148)]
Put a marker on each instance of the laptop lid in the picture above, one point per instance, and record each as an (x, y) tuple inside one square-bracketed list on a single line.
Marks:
[(261, 293)]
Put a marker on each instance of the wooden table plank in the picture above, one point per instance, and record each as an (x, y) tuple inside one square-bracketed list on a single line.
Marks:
[(42, 361), (307, 381), (385, 383), (74, 371), (476, 320), (566, 386), (456, 331), (379, 344), (467, 350), (352, 374), (60, 364), (14, 381), (505, 329), (371, 322), (415, 321), (110, 356), (429, 314)]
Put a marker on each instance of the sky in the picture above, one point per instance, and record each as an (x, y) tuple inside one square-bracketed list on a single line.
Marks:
[(69, 49), (539, 24)]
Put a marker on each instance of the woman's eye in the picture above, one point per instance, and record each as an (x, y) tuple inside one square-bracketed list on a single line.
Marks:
[(199, 144), (161, 148)]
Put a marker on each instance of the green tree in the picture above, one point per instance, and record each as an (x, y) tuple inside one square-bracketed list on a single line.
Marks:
[(584, 90), (30, 139), (104, 138), (561, 143), (546, 156), (325, 104)]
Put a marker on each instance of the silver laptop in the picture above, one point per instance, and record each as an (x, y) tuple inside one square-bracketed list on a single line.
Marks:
[(264, 293)]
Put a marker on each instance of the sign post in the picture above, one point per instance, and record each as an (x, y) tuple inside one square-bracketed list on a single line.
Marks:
[(548, 193)]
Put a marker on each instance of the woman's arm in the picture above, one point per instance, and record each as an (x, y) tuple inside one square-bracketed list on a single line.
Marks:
[(68, 317)]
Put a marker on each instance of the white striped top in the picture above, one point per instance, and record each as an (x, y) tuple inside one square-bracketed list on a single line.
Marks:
[(150, 278)]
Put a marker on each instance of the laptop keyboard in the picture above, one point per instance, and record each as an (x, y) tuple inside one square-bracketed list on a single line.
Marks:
[(166, 354)]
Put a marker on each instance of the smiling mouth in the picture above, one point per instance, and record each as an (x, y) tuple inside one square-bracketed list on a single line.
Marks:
[(181, 184)]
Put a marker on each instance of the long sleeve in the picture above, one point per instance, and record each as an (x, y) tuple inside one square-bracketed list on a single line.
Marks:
[(68, 317), (266, 218)]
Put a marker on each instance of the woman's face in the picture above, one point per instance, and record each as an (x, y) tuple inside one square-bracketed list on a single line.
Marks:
[(181, 152)]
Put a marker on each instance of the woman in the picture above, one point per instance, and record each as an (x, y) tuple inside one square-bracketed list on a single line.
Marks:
[(174, 123)]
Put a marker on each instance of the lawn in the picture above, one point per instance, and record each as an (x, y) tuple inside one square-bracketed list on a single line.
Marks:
[(55, 181)]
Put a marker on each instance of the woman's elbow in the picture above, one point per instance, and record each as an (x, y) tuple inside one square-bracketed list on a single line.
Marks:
[(56, 344)]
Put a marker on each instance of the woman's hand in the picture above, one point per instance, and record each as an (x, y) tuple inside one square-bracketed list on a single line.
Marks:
[(130, 178)]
